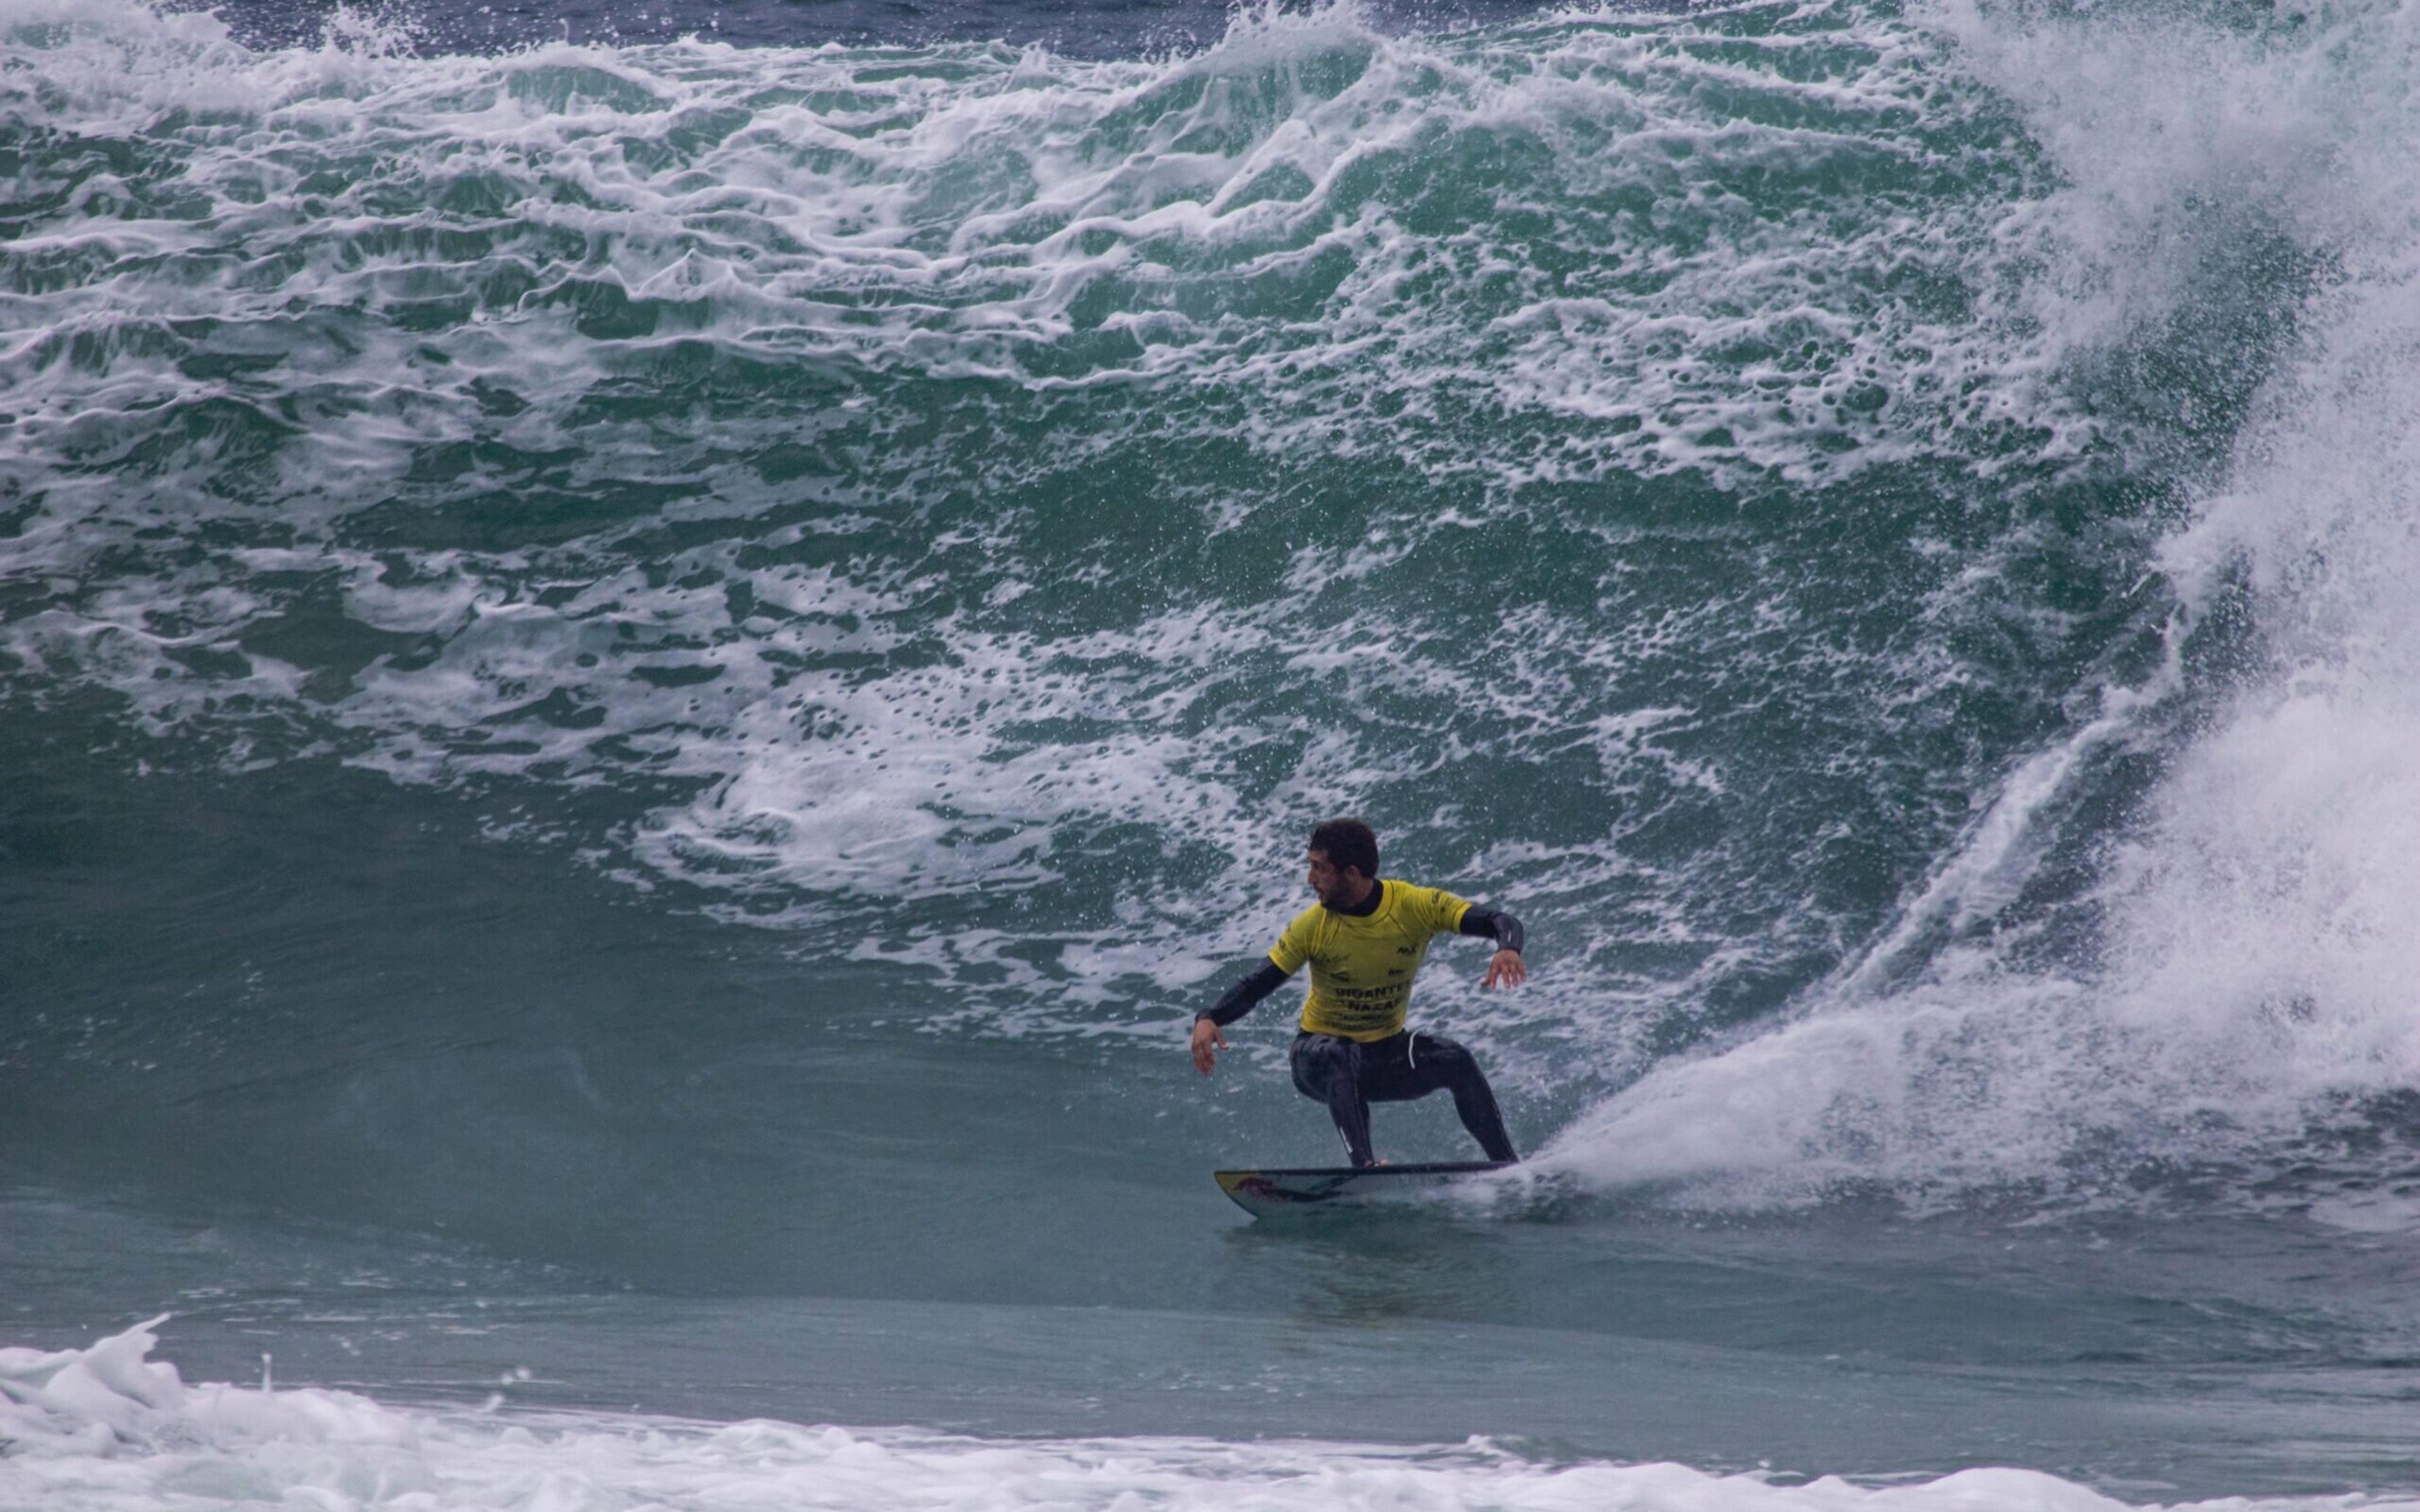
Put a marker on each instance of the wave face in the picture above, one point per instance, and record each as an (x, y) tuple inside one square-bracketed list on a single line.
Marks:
[(640, 680), (1883, 531)]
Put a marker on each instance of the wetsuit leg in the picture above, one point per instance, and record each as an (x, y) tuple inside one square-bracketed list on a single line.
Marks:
[(1330, 1069), (1409, 1066)]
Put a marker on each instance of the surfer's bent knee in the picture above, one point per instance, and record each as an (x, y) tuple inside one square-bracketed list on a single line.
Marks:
[(1316, 1060)]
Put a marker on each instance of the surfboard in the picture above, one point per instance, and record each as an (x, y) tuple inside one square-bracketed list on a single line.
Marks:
[(1304, 1188)]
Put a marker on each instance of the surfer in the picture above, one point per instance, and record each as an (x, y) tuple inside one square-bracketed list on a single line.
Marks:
[(1364, 941)]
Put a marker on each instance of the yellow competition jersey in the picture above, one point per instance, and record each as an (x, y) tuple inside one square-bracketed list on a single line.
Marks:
[(1361, 968)]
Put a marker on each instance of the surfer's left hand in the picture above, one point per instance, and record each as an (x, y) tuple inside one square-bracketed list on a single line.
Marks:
[(1504, 969)]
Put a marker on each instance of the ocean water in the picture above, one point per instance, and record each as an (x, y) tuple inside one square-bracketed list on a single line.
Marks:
[(648, 658)]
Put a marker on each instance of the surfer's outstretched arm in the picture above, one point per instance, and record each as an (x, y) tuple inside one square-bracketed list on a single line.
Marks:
[(1504, 969), (1233, 1004)]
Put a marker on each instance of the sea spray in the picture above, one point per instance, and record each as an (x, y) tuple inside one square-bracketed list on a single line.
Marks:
[(2229, 988)]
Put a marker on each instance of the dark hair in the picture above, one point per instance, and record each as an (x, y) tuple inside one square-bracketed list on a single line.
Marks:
[(1348, 842)]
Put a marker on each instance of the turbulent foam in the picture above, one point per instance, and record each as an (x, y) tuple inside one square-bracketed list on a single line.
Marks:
[(910, 472), (106, 1428)]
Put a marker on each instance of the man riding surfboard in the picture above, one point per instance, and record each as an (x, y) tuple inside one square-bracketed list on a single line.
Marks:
[(1364, 941)]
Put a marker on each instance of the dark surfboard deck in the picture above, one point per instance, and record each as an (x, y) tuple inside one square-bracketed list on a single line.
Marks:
[(1307, 1188)]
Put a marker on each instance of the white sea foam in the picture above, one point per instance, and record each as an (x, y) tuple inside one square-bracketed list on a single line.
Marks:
[(105, 1430)]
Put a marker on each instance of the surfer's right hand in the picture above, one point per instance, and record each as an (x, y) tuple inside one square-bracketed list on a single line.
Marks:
[(1207, 1042)]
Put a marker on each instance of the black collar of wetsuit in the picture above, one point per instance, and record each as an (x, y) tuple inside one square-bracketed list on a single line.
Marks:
[(1366, 906)]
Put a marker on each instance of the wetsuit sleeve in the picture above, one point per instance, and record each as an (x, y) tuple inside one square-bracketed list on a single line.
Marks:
[(1238, 1000), (1492, 923)]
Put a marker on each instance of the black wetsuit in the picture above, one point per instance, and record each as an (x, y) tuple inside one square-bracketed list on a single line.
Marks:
[(1350, 1075)]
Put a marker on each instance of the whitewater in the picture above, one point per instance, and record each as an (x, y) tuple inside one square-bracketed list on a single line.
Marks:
[(648, 659), (103, 1428)]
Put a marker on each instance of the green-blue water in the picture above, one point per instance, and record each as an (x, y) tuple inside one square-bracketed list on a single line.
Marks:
[(642, 681)]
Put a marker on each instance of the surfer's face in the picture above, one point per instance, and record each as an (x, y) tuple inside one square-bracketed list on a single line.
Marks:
[(1336, 886)]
